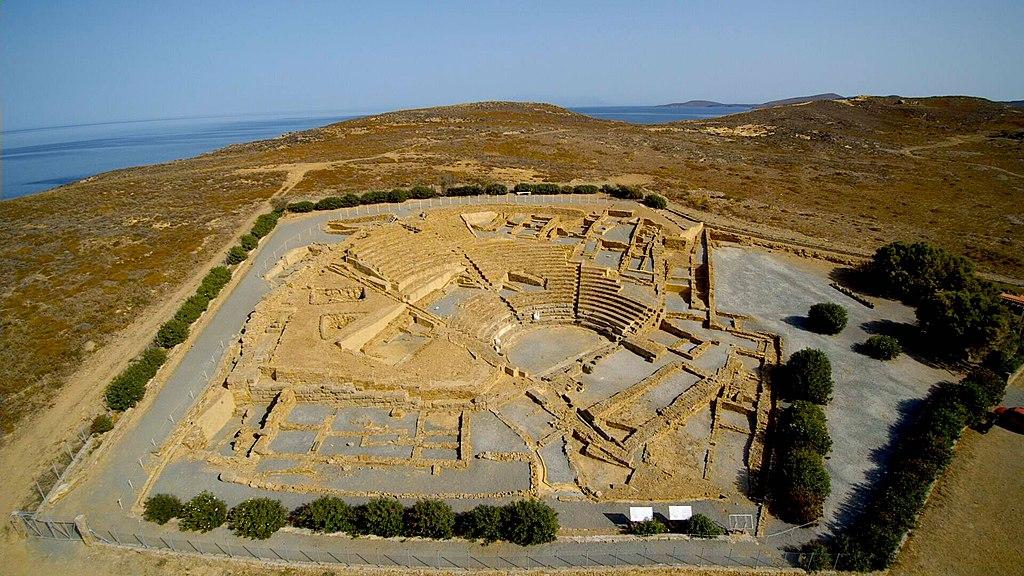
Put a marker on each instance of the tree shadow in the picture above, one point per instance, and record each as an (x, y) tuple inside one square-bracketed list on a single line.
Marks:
[(617, 518), (856, 504), (910, 339), (855, 279), (799, 322)]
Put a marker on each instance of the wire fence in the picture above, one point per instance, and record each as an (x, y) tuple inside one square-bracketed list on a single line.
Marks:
[(72, 451), (636, 553)]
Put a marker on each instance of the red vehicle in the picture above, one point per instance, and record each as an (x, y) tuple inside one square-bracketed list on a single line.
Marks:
[(1011, 418)]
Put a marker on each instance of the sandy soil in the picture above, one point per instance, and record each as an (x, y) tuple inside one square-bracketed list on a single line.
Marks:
[(971, 524)]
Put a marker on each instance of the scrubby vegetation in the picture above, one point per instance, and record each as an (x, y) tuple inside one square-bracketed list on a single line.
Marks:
[(160, 508), (381, 517), (961, 315), (326, 514), (129, 386), (301, 207), (622, 191), (648, 528), (808, 376), (101, 424), (815, 557), (203, 513), (481, 523), (528, 522), (265, 224), (430, 518), (655, 201), (827, 318), (881, 347), (257, 518), (171, 333), (192, 309), (802, 425), (701, 526)]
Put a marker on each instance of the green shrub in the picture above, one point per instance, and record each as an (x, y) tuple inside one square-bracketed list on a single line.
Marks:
[(430, 518), (257, 518), (374, 197), (701, 526), (236, 255), (881, 347), (125, 390), (481, 523), (827, 318), (381, 517), (203, 513), (172, 333), (301, 207), (801, 486), (802, 425), (585, 189), (397, 196), (648, 528), (192, 309), (329, 203), (527, 522), (326, 514), (265, 224), (992, 384), (655, 201), (160, 508), (495, 189), (815, 557), (213, 282), (622, 191), (965, 322), (101, 424), (422, 192), (1005, 360), (808, 376), (912, 272), (248, 242), (471, 190)]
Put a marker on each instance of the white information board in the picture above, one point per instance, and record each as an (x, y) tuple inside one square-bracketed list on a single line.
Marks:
[(680, 512), (640, 513)]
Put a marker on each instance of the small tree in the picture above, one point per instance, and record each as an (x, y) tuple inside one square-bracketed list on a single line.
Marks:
[(648, 528), (827, 318), (381, 517), (203, 513), (803, 425), (257, 518), (160, 508), (527, 522), (101, 424), (815, 557), (172, 333), (701, 526), (881, 347), (430, 518), (265, 224), (496, 190), (481, 523), (326, 514), (236, 255), (801, 486), (422, 192), (655, 201), (248, 242), (809, 376), (213, 282)]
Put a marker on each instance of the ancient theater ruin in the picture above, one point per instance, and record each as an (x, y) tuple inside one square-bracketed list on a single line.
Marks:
[(492, 352)]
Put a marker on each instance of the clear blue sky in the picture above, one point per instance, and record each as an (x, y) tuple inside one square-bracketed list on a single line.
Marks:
[(77, 62)]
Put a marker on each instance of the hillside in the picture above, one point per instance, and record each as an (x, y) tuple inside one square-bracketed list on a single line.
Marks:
[(86, 261), (799, 100)]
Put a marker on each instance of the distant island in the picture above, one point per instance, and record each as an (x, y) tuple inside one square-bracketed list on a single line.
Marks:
[(770, 104), (704, 104)]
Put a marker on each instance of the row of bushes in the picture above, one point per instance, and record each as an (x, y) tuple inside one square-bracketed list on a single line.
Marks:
[(960, 314), (800, 483), (264, 225), (524, 522), (399, 195), (919, 457), (699, 526)]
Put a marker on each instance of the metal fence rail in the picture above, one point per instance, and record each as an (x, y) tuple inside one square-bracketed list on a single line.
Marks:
[(336, 553)]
